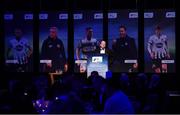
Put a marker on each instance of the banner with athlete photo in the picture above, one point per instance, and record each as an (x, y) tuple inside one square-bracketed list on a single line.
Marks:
[(88, 31), (123, 40), (18, 41), (53, 41), (159, 41)]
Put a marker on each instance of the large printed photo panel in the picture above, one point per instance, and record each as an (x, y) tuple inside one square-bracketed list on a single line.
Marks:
[(159, 41)]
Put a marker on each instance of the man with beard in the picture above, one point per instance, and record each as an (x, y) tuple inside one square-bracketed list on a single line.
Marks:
[(124, 48)]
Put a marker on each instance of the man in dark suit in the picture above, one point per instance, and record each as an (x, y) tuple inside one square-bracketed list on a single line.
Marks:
[(102, 49), (124, 48)]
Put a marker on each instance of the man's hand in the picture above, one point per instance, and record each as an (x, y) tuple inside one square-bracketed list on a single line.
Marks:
[(168, 56), (164, 66), (66, 67), (29, 54), (49, 65), (77, 53), (135, 66), (152, 55), (158, 70)]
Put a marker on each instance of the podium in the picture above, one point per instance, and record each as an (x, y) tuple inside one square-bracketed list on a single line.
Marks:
[(99, 63)]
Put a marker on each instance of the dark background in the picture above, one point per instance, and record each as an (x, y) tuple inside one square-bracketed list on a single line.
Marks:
[(70, 5)]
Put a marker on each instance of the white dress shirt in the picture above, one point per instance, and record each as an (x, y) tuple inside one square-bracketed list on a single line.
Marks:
[(102, 51)]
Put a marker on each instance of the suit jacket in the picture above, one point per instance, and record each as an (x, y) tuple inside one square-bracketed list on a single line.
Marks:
[(125, 48), (108, 52)]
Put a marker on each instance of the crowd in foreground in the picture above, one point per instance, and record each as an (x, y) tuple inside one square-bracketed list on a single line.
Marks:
[(118, 94)]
